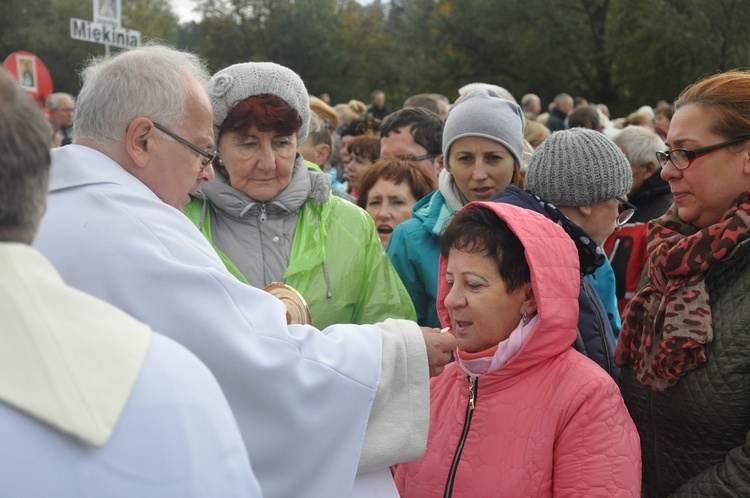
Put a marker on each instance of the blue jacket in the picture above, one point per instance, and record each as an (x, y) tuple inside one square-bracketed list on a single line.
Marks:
[(414, 251), (603, 280), (595, 337)]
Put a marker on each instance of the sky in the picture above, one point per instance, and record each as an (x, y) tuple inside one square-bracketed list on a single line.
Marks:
[(184, 10)]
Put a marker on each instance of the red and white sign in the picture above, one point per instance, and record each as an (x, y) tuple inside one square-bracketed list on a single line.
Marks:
[(31, 73)]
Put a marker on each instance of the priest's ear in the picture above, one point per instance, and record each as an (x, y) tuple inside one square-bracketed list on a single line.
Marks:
[(139, 141)]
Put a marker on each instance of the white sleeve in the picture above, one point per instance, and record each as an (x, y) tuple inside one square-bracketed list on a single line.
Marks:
[(400, 416)]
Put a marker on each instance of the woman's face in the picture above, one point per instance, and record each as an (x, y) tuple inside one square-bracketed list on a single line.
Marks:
[(259, 163), (345, 141), (661, 123), (355, 169), (483, 313), (480, 167), (389, 204), (704, 191)]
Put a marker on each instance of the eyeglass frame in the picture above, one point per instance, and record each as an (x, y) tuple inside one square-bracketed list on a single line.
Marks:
[(211, 157), (664, 157), (627, 213)]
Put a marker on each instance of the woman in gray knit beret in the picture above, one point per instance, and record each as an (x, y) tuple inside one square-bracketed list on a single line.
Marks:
[(483, 148), (271, 219)]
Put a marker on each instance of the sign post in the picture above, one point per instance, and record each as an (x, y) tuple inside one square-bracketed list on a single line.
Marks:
[(106, 27)]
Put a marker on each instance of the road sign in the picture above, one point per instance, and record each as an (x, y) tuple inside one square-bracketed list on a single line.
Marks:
[(105, 33), (108, 12), (106, 27)]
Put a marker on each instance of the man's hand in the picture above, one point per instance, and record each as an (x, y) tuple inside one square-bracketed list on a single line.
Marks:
[(439, 347)]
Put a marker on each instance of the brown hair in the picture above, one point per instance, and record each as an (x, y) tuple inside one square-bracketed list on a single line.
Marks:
[(729, 95), (535, 132), (420, 180), (367, 147)]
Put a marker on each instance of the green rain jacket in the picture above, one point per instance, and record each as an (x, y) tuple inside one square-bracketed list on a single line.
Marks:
[(336, 261)]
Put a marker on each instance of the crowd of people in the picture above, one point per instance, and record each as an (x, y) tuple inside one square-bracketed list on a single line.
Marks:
[(495, 300)]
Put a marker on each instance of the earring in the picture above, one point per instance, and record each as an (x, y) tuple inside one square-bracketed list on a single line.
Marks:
[(525, 318)]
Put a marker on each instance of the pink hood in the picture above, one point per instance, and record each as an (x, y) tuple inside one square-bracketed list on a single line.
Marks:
[(555, 278), (549, 422)]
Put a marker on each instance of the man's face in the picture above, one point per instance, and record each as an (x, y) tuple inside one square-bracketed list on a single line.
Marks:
[(378, 100), (400, 143), (178, 170), (597, 220), (65, 112), (565, 105)]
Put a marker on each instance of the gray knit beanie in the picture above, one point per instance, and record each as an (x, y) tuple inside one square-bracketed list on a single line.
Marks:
[(483, 113), (234, 84), (578, 167)]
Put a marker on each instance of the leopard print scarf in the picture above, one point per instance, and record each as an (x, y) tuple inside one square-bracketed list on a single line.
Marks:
[(668, 323)]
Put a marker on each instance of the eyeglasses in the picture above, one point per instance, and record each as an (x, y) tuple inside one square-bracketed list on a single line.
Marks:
[(418, 158), (210, 158), (683, 158), (627, 210)]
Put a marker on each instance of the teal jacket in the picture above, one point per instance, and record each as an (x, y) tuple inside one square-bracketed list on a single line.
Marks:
[(414, 251), (603, 281), (336, 262)]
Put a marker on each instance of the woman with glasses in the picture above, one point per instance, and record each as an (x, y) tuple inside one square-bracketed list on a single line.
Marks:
[(579, 179), (684, 347), (271, 219), (483, 148)]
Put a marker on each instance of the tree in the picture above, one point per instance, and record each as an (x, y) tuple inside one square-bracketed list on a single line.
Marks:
[(659, 54), (153, 18), (43, 28)]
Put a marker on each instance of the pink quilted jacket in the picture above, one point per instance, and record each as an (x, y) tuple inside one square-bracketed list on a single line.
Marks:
[(550, 422)]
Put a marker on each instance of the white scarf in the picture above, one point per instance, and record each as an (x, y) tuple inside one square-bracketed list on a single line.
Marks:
[(505, 351), (452, 195)]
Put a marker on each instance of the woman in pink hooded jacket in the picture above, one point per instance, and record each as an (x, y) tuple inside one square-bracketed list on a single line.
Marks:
[(520, 412)]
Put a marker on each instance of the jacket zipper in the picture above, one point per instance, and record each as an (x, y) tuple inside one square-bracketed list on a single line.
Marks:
[(601, 328), (263, 216), (467, 423)]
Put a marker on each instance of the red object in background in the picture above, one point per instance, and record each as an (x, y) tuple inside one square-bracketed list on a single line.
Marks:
[(31, 73)]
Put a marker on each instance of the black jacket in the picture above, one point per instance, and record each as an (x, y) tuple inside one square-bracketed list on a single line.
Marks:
[(695, 436), (652, 199), (556, 120)]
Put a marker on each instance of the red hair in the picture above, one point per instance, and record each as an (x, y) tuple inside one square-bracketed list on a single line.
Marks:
[(728, 94), (267, 112)]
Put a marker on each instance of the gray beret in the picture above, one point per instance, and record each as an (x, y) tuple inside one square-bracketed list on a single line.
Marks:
[(578, 167), (483, 113), (234, 84)]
